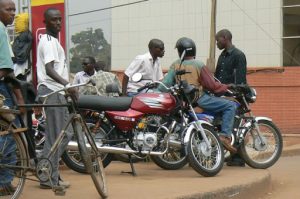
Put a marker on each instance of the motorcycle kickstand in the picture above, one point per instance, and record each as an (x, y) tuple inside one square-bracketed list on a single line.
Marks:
[(131, 165)]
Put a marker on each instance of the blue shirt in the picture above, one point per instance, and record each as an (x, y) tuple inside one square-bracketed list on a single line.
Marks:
[(5, 55)]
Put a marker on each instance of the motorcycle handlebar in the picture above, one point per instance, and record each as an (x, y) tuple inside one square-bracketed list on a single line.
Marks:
[(152, 85)]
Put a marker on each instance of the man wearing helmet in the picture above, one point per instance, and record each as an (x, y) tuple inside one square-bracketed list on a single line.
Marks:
[(147, 64), (201, 77)]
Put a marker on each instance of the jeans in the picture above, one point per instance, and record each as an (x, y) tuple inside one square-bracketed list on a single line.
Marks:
[(219, 105), (7, 143), (132, 94)]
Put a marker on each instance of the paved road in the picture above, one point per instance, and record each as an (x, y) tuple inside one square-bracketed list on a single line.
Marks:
[(151, 182), (285, 178)]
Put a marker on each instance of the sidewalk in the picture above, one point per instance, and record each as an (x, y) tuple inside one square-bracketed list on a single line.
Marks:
[(152, 182)]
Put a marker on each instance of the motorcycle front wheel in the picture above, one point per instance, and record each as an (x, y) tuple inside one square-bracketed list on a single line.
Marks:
[(205, 161), (262, 153)]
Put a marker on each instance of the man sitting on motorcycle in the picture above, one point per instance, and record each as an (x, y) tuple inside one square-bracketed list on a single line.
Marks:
[(200, 76)]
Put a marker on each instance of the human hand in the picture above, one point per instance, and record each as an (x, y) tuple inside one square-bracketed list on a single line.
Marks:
[(231, 86), (74, 93)]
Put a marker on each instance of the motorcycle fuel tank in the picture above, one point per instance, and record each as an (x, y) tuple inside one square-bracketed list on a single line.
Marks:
[(125, 120), (153, 103)]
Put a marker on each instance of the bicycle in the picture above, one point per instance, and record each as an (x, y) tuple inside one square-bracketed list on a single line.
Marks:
[(23, 160)]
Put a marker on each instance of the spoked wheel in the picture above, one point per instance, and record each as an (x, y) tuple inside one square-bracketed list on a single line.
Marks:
[(205, 161), (171, 160), (73, 160), (12, 153), (262, 153), (91, 158), (175, 158)]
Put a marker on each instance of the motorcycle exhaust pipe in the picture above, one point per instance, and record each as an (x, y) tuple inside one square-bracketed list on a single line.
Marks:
[(72, 145), (175, 144)]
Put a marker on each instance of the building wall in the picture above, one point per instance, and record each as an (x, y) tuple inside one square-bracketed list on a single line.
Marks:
[(278, 96), (255, 25)]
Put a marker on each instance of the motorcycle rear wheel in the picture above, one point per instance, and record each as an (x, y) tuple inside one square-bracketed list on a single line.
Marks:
[(172, 160), (73, 159), (261, 156), (206, 162)]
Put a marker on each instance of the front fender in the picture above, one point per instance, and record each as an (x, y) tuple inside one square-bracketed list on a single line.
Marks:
[(193, 126), (262, 118)]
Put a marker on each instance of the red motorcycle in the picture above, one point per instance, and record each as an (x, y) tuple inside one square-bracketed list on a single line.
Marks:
[(147, 124)]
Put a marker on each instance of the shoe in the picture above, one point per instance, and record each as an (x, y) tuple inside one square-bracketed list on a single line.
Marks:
[(227, 144), (235, 163), (45, 186), (64, 184)]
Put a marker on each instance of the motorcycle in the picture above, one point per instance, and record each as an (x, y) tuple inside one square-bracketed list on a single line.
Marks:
[(144, 125), (258, 140)]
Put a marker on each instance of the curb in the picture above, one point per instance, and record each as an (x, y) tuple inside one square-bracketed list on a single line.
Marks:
[(261, 185), (256, 188), (293, 150)]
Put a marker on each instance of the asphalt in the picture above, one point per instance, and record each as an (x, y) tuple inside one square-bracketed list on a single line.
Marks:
[(152, 182)]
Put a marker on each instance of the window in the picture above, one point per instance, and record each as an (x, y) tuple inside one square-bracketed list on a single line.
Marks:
[(291, 32)]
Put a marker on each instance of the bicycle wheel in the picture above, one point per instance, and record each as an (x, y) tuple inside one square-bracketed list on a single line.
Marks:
[(72, 158), (91, 158), (12, 153), (258, 155)]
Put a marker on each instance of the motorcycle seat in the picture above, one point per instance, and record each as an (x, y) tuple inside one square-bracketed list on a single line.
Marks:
[(104, 103)]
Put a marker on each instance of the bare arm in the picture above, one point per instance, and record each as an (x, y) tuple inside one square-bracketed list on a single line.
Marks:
[(124, 84), (53, 74), (10, 77)]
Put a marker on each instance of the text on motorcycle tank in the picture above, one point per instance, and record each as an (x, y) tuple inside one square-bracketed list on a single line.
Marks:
[(124, 118)]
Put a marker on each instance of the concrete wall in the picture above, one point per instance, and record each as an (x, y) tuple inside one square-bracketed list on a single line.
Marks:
[(255, 24)]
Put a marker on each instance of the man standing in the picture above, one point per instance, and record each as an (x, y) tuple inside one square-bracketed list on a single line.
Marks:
[(232, 65), (53, 75), (7, 143), (147, 64), (231, 69)]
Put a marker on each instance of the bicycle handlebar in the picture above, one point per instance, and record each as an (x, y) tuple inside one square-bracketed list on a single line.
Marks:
[(66, 88)]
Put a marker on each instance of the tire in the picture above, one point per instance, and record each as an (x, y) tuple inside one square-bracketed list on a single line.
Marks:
[(262, 157), (21, 159), (73, 160), (171, 160), (95, 167), (206, 163)]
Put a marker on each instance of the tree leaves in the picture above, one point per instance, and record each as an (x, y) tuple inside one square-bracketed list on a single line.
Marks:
[(89, 43)]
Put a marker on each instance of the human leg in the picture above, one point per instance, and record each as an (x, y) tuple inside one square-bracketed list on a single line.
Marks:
[(220, 105), (7, 143), (227, 108), (55, 121)]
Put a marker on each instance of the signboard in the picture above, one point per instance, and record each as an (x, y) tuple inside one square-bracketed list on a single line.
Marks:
[(38, 8)]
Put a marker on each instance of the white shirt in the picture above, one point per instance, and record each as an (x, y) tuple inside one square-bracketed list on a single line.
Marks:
[(49, 49), (82, 77), (150, 71)]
